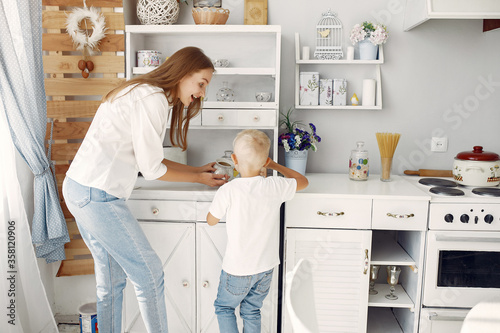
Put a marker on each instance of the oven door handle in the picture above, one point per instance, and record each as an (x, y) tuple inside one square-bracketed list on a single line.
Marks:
[(448, 238), (436, 317)]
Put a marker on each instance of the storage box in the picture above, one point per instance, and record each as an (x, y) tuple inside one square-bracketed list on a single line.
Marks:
[(339, 92), (325, 92), (309, 88)]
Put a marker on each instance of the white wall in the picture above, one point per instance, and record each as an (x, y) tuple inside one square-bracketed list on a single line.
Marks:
[(433, 84), (427, 72)]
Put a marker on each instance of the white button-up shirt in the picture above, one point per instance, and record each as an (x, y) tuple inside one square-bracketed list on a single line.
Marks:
[(125, 137)]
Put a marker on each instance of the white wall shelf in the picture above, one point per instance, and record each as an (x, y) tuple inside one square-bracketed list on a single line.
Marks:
[(270, 71), (313, 63)]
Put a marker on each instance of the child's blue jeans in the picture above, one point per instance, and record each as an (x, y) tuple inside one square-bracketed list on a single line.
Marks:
[(247, 291)]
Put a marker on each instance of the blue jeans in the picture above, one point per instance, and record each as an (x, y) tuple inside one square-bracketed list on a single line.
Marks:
[(120, 250), (249, 293)]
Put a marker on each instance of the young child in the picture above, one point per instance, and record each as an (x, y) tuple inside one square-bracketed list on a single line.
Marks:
[(251, 205)]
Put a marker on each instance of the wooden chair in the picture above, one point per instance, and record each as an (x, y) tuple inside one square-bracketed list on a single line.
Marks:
[(299, 300)]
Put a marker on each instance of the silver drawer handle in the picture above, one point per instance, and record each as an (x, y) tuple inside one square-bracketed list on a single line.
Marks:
[(205, 284), (185, 284), (256, 118), (220, 117), (400, 216), (156, 211), (330, 214)]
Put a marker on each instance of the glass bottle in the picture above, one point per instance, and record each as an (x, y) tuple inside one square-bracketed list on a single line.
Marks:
[(225, 94), (358, 163)]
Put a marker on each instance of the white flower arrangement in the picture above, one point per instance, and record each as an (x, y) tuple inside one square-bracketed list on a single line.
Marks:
[(376, 33)]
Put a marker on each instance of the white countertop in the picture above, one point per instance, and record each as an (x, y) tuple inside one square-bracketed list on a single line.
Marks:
[(339, 185), (333, 185), (161, 190)]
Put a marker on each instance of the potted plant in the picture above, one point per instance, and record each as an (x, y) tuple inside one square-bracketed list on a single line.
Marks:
[(369, 36), (297, 141)]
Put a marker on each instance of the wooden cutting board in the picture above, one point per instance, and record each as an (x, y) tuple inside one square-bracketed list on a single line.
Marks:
[(255, 12)]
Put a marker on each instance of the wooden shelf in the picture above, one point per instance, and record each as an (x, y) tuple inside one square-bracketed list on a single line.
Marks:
[(379, 299)]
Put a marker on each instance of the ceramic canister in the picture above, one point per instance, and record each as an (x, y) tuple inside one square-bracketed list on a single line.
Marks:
[(148, 58)]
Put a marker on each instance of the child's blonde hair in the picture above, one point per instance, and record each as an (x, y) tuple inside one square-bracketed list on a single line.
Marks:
[(251, 148)]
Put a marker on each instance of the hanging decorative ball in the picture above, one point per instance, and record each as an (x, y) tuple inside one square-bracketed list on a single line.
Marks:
[(158, 11), (82, 65)]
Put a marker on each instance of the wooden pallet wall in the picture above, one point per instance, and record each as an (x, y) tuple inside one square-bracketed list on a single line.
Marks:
[(72, 100)]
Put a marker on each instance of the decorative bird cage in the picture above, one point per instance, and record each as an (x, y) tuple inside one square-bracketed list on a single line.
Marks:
[(329, 37)]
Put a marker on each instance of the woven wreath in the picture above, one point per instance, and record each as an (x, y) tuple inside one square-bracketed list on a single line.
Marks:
[(82, 40)]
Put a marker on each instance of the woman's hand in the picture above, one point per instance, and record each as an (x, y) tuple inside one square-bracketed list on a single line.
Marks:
[(211, 179), (209, 167)]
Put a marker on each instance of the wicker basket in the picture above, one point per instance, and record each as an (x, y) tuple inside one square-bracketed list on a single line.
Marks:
[(210, 15)]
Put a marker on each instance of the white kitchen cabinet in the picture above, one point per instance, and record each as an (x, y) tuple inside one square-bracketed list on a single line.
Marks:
[(191, 252), (419, 11), (354, 71), (339, 260), (175, 245), (343, 225), (253, 52)]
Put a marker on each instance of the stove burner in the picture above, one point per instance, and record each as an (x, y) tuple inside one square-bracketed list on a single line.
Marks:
[(437, 182), (447, 191), (488, 191)]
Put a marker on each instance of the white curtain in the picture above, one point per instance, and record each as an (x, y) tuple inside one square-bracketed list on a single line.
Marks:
[(24, 303)]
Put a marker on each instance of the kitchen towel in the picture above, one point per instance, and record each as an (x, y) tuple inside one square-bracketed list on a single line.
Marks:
[(368, 98)]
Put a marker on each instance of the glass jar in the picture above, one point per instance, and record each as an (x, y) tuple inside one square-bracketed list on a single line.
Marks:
[(358, 163), (225, 94)]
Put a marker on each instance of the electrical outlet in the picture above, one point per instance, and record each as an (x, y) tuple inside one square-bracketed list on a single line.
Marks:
[(439, 144)]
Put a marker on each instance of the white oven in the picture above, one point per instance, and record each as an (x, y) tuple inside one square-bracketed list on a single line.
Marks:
[(462, 268), (462, 260)]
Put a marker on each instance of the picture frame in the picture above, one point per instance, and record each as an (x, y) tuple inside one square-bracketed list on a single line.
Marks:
[(207, 3)]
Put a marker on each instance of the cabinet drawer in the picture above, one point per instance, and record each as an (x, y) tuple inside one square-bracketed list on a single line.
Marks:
[(337, 213), (247, 118), (163, 210), (400, 214), (202, 208)]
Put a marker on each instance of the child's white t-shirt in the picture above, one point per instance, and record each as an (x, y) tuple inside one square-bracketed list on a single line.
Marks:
[(252, 209)]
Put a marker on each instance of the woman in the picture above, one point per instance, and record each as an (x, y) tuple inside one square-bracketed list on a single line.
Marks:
[(126, 137)]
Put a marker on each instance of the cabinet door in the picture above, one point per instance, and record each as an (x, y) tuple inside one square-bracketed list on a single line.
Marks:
[(210, 248), (340, 275), (175, 245)]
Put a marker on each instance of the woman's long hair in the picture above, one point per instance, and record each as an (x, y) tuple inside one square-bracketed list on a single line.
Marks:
[(167, 77)]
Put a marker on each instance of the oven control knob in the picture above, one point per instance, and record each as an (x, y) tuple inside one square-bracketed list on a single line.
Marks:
[(464, 218), (448, 218), (488, 218)]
